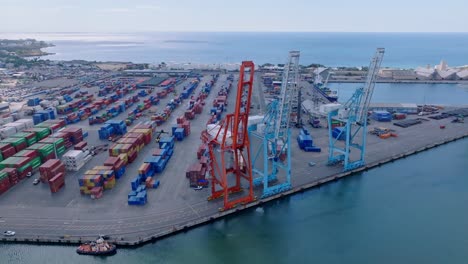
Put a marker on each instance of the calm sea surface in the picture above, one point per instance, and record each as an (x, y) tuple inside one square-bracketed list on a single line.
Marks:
[(331, 49)]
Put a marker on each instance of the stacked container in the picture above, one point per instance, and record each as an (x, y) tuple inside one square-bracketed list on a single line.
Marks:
[(195, 173), (57, 143), (74, 160), (33, 154), (18, 143), (65, 136), (4, 182), (41, 132), (21, 164), (91, 184), (112, 128), (12, 175), (50, 169), (28, 136), (106, 173), (46, 151), (75, 134), (118, 166), (80, 145), (137, 196), (57, 182), (6, 150)]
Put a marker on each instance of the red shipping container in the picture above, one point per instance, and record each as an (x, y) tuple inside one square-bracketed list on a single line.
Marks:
[(57, 182), (21, 146), (132, 157), (22, 175), (48, 157), (4, 146), (12, 175), (118, 165), (113, 161), (32, 153), (80, 145), (47, 175), (4, 185), (8, 152)]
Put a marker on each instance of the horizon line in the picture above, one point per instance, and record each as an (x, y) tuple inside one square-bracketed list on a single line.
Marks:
[(236, 31)]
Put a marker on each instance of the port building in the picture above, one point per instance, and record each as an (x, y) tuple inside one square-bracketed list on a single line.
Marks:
[(394, 107)]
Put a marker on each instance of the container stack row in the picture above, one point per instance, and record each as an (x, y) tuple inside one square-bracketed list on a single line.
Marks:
[(304, 139), (24, 152), (74, 160), (220, 102), (112, 128), (156, 163), (43, 115), (53, 173), (164, 115), (196, 173), (181, 129), (9, 129), (74, 105)]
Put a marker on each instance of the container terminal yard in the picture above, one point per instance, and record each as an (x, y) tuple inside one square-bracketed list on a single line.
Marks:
[(138, 158)]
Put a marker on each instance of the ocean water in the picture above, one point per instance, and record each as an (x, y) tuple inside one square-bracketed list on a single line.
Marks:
[(410, 211), (332, 49), (440, 94)]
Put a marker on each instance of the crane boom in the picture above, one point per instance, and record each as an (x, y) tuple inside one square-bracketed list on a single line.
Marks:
[(288, 97), (369, 85)]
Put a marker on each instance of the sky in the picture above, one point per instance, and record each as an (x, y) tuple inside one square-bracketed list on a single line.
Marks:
[(233, 15)]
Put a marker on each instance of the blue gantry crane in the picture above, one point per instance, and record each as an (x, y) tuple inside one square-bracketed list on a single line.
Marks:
[(354, 115), (273, 153)]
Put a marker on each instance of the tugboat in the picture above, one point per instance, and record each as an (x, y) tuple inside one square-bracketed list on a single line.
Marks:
[(98, 248)]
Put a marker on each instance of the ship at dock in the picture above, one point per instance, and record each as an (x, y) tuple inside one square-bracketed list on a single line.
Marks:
[(321, 87)]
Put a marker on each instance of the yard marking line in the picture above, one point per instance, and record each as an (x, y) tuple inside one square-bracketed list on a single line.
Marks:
[(193, 210)]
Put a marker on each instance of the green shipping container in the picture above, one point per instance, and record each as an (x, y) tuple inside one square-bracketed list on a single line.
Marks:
[(14, 141), (31, 141), (24, 167), (35, 163), (3, 175)]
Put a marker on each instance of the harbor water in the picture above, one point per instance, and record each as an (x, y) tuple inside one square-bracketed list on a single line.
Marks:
[(409, 211), (406, 50), (440, 94)]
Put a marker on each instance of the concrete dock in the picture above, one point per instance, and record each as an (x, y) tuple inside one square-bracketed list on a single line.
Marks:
[(68, 217)]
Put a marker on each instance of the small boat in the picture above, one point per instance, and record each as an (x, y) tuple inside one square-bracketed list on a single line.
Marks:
[(98, 248)]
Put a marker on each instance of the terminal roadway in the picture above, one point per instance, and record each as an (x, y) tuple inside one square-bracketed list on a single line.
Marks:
[(34, 213)]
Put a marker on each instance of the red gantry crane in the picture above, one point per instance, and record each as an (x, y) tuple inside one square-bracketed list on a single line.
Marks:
[(229, 148)]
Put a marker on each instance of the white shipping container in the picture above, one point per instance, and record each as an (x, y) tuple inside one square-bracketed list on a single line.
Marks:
[(6, 132), (74, 155), (28, 123), (55, 103), (17, 126)]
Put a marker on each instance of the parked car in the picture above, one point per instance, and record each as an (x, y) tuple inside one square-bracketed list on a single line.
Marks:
[(198, 188), (36, 181)]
